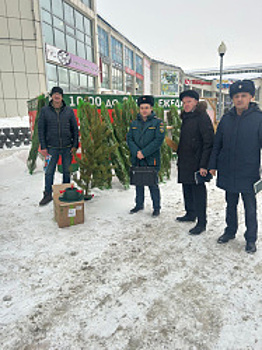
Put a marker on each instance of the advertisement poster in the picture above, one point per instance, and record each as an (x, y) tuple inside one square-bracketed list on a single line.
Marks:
[(169, 82)]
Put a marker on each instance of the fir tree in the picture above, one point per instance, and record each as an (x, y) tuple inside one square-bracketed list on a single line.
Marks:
[(95, 163), (31, 160)]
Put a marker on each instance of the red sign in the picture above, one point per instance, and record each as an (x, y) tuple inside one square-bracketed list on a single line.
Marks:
[(130, 71), (139, 76), (197, 82)]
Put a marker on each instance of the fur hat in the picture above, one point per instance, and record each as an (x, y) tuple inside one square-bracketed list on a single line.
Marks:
[(189, 93), (146, 99), (242, 86), (57, 89)]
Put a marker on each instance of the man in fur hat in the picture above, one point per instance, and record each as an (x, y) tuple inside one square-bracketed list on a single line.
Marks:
[(236, 157), (144, 139), (194, 149)]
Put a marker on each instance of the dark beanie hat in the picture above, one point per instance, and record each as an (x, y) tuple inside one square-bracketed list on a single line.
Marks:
[(56, 89), (146, 99), (242, 86), (189, 93)]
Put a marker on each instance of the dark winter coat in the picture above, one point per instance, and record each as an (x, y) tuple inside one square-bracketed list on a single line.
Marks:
[(58, 130), (146, 137), (195, 144), (236, 151)]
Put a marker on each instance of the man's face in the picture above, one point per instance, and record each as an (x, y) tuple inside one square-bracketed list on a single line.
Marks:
[(189, 103), (145, 109), (241, 101), (57, 98)]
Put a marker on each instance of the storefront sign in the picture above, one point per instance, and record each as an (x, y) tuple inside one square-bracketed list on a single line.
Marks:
[(66, 59), (139, 76), (130, 71), (197, 82)]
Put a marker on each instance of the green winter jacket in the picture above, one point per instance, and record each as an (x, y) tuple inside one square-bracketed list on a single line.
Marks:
[(146, 137)]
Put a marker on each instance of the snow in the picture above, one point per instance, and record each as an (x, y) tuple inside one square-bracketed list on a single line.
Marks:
[(122, 281), (14, 122)]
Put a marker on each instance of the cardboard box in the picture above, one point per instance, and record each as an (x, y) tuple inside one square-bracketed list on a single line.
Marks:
[(67, 214)]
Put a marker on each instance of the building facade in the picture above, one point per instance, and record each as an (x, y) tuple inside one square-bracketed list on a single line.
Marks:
[(65, 42)]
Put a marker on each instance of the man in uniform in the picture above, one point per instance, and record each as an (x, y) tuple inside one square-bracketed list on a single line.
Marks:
[(236, 157), (144, 140), (58, 135)]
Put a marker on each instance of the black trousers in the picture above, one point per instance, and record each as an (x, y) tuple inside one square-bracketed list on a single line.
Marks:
[(195, 200), (250, 206)]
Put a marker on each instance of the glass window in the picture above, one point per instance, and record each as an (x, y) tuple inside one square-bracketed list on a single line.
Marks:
[(69, 15), (105, 76), (46, 17), (103, 42), (87, 3), (87, 24), (88, 40), (81, 49), (57, 7), (139, 86), (71, 44), (51, 72), (74, 84), (139, 65), (70, 30), (83, 83), (79, 21), (116, 48), (129, 58), (91, 84), (117, 82), (48, 34), (46, 4), (89, 54), (63, 78), (129, 83), (60, 39), (80, 35), (58, 23)]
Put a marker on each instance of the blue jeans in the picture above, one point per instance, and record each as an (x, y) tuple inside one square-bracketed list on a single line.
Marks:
[(66, 162), (250, 206), (154, 193)]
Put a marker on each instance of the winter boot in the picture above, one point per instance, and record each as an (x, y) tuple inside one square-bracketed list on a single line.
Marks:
[(46, 199)]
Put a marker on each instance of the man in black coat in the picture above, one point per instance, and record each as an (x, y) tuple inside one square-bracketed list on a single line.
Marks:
[(194, 149), (236, 157), (58, 135)]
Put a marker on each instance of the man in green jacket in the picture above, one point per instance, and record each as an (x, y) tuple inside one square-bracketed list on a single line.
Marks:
[(144, 140)]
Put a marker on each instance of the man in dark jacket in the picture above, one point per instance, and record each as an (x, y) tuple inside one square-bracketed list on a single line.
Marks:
[(194, 149), (144, 140), (236, 157), (58, 135)]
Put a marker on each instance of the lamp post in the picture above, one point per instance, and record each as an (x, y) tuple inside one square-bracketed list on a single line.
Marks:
[(221, 50)]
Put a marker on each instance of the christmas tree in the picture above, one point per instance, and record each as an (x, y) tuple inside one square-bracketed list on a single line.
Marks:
[(31, 160), (95, 163)]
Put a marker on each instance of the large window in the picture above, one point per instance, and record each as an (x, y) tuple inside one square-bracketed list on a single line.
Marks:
[(129, 58), (67, 29), (103, 42), (139, 65), (129, 83), (105, 76), (68, 80), (116, 50), (117, 79)]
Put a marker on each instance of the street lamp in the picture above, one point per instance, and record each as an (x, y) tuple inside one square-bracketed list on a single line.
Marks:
[(221, 50)]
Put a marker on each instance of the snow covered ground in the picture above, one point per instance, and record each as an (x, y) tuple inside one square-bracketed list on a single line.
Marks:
[(121, 281)]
